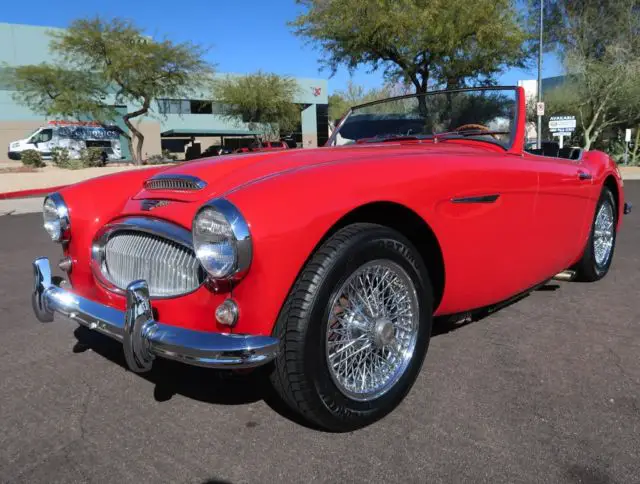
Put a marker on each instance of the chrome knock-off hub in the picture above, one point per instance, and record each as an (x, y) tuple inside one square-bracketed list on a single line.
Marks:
[(383, 333)]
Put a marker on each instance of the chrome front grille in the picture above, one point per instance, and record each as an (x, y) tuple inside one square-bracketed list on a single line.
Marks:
[(170, 268), (174, 182)]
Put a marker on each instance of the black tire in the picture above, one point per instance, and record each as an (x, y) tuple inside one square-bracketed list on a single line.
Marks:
[(301, 376), (589, 269)]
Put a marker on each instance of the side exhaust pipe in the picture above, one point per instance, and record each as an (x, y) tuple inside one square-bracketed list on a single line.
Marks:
[(565, 276)]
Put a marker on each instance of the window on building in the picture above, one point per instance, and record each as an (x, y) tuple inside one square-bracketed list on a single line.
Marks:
[(173, 106), (219, 108), (201, 107), (190, 106), (322, 120)]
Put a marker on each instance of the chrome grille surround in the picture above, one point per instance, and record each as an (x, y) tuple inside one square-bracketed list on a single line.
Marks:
[(145, 248), (166, 181)]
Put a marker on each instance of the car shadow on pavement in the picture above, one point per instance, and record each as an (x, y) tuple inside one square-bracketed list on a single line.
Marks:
[(218, 387), (447, 324), (223, 387)]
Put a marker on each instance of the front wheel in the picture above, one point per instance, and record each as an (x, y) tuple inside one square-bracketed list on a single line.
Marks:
[(354, 329), (598, 253)]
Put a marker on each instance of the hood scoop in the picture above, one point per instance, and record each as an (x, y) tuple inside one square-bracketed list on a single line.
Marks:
[(174, 182)]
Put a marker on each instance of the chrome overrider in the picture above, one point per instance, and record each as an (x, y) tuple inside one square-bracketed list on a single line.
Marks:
[(143, 338)]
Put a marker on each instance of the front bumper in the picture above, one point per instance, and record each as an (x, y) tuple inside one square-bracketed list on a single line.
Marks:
[(143, 338)]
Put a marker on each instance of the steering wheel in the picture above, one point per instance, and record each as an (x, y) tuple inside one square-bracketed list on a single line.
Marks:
[(480, 127)]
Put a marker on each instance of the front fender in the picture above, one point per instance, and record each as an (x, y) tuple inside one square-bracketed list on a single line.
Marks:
[(92, 204), (288, 217)]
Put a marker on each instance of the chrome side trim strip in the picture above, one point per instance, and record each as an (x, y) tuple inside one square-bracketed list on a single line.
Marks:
[(144, 338), (478, 199)]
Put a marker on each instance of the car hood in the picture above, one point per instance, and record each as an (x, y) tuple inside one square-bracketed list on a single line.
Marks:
[(224, 173)]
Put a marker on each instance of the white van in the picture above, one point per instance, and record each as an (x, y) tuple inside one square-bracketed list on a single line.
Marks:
[(75, 136)]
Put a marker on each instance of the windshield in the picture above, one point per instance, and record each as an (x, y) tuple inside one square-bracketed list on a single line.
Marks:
[(487, 114)]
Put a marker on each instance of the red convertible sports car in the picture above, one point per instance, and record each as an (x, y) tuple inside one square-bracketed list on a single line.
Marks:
[(328, 265)]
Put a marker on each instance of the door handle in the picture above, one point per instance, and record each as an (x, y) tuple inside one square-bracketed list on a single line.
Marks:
[(583, 175)]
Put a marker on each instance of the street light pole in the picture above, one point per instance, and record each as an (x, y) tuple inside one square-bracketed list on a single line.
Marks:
[(539, 142)]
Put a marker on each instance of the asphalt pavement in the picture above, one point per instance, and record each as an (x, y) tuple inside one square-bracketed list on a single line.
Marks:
[(544, 390)]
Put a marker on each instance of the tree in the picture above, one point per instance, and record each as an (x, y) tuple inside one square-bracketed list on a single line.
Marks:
[(598, 42), (451, 43), (604, 91), (262, 100), (103, 63), (55, 91)]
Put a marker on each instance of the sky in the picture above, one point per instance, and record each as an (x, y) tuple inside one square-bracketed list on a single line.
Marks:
[(241, 35)]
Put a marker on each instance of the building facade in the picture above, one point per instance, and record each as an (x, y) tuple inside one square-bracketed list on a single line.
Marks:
[(171, 124)]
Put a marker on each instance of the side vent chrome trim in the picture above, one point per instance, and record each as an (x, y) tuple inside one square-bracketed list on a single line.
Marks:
[(174, 182), (479, 199)]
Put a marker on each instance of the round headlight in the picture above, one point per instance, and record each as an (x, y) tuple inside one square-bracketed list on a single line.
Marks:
[(221, 240), (55, 216)]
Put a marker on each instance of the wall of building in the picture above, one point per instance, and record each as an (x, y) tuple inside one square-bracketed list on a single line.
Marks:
[(151, 132)]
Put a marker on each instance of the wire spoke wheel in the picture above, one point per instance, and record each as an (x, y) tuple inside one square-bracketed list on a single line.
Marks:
[(372, 330), (603, 234)]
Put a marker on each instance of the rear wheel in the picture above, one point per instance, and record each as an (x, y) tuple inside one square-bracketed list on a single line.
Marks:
[(598, 254), (354, 329)]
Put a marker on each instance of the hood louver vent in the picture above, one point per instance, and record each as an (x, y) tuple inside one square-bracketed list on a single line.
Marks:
[(183, 183)]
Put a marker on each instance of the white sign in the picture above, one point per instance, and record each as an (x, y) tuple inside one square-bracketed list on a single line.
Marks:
[(627, 135), (540, 109), (562, 124)]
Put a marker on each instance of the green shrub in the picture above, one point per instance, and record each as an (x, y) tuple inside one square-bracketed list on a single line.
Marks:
[(61, 157), (91, 157), (168, 155), (32, 158), (155, 160)]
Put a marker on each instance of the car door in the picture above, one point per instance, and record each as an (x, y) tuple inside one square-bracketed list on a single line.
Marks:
[(561, 218), (30, 142), (485, 224), (42, 141)]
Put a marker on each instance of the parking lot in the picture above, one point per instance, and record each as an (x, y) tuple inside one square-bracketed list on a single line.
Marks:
[(544, 390)]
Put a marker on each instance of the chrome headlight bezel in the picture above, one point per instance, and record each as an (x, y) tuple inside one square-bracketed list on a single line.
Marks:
[(55, 215), (237, 236)]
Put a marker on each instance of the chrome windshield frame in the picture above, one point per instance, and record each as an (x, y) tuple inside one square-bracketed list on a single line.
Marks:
[(514, 124)]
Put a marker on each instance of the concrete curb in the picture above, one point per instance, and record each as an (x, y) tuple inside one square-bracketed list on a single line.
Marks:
[(50, 179)]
